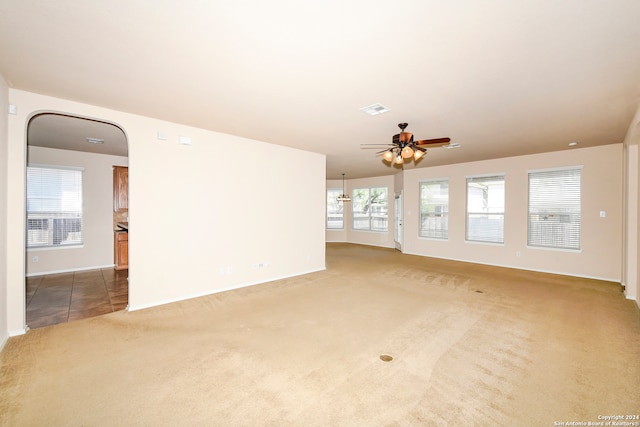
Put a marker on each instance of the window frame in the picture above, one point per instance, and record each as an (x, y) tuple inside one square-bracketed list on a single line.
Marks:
[(488, 212), (576, 248), (63, 217), (338, 192), (358, 216), (444, 214)]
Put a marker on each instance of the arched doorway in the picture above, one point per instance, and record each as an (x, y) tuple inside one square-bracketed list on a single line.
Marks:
[(70, 219)]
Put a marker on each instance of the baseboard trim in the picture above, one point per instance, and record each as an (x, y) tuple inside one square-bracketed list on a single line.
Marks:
[(70, 270), (606, 279), (18, 332)]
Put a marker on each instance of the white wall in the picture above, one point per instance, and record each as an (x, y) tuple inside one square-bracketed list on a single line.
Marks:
[(372, 238), (200, 220), (631, 241), (632, 208), (602, 190), (97, 251), (4, 101)]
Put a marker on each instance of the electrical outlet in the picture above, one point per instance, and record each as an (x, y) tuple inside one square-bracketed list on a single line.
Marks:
[(35, 259)]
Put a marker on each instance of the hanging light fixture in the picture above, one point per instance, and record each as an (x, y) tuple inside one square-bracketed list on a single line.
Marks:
[(343, 197)]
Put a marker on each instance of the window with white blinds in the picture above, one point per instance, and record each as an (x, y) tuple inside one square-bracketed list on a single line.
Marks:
[(335, 211), (554, 208), (485, 209), (369, 209), (54, 206), (434, 209)]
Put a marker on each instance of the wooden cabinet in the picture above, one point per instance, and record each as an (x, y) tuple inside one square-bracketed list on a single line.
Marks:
[(121, 249), (120, 189)]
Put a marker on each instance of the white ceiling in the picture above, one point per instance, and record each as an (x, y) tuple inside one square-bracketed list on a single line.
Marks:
[(499, 77)]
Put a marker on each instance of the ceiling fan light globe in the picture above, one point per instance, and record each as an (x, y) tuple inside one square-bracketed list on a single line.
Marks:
[(388, 156), (399, 159), (407, 152), (418, 154)]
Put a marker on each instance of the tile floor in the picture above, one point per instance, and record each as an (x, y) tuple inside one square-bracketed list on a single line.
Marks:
[(65, 297)]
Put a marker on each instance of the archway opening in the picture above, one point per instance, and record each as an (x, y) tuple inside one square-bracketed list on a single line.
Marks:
[(71, 219)]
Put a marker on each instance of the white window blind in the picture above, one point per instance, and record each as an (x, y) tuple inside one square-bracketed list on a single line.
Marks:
[(370, 209), (554, 208), (335, 211), (434, 209), (485, 209), (54, 206)]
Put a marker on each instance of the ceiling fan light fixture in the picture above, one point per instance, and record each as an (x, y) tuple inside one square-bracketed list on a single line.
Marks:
[(407, 152), (405, 136), (403, 147)]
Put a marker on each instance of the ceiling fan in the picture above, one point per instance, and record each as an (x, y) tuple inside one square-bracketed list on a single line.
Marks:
[(404, 147)]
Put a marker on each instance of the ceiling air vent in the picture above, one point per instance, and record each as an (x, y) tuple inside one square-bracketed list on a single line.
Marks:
[(375, 109)]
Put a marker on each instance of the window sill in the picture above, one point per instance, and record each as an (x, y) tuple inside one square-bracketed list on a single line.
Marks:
[(546, 248), (54, 248)]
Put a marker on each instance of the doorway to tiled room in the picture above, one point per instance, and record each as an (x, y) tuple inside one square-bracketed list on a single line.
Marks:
[(71, 219)]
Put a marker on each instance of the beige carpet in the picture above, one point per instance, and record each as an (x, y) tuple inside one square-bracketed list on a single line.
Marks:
[(471, 345)]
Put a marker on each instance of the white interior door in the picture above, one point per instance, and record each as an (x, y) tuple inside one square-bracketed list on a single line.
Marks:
[(397, 235)]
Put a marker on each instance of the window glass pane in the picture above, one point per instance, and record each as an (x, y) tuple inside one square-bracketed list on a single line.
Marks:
[(54, 207), (434, 209), (485, 209), (379, 213), (360, 204), (370, 209), (554, 209), (335, 213)]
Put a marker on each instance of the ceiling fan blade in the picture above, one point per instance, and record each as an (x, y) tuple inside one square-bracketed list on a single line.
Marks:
[(437, 142), (378, 144)]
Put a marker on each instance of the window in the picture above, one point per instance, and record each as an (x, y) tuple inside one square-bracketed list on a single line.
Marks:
[(485, 209), (54, 206), (335, 213), (370, 209), (554, 209), (434, 209)]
